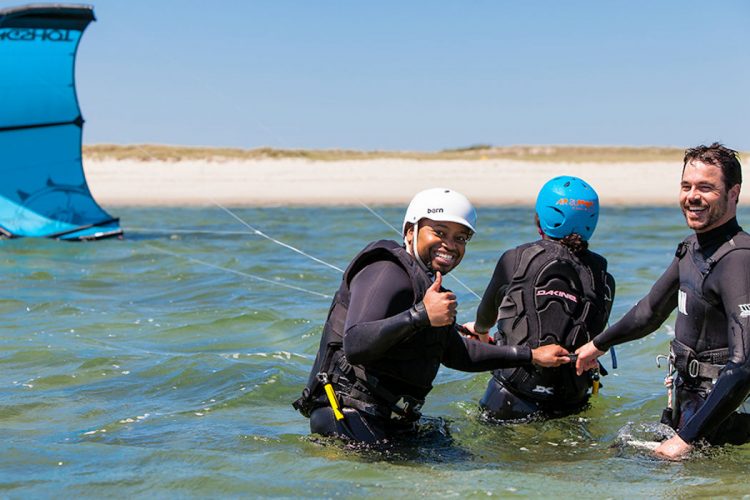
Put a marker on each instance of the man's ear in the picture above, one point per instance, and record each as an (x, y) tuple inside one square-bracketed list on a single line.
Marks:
[(734, 192), (409, 232)]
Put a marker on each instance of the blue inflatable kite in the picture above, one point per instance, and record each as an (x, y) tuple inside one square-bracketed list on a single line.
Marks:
[(43, 191)]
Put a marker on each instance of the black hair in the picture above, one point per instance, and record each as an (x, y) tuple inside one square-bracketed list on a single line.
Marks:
[(719, 156), (575, 243)]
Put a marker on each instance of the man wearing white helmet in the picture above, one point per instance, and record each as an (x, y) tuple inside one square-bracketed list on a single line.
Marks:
[(392, 324), (550, 291)]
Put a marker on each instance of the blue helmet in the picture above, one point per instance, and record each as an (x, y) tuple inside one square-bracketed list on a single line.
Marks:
[(567, 205)]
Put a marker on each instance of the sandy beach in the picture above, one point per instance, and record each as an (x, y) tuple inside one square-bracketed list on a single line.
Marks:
[(387, 181)]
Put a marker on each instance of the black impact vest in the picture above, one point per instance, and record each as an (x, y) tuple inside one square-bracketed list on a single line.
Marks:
[(553, 298), (700, 348), (406, 370)]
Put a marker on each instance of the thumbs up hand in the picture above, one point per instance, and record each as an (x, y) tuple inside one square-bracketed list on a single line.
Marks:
[(440, 306)]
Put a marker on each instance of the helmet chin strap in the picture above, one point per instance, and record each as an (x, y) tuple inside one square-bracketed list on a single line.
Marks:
[(414, 252)]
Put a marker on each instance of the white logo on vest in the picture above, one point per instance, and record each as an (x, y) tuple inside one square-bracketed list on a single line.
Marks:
[(682, 302), (558, 293), (744, 310), (544, 390)]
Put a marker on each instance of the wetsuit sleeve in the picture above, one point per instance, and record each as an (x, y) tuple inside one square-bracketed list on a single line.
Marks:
[(380, 312), (487, 310), (648, 314), (472, 356), (732, 282)]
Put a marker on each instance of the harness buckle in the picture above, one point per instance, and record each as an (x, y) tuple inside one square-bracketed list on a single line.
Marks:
[(693, 368), (407, 407)]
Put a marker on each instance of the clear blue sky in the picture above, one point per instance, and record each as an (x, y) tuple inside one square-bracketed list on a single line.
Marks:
[(416, 75)]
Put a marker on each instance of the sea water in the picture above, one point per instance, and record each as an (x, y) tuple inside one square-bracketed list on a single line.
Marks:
[(165, 364)]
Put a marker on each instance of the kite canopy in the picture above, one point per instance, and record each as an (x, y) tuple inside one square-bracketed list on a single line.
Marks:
[(43, 190)]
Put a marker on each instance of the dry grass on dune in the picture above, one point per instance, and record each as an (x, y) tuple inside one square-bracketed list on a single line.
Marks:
[(557, 154)]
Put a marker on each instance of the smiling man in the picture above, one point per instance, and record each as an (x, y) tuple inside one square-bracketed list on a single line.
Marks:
[(392, 325), (709, 283)]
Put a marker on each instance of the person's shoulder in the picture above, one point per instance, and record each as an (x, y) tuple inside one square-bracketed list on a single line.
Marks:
[(381, 254), (384, 253), (742, 240), (734, 255), (591, 256), (514, 255), (520, 249), (382, 250), (391, 267), (383, 244), (539, 242), (738, 252), (512, 250), (737, 247), (383, 272), (730, 272)]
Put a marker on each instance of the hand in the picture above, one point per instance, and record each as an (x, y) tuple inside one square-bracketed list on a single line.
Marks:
[(481, 337), (673, 448), (587, 357), (440, 306), (548, 356)]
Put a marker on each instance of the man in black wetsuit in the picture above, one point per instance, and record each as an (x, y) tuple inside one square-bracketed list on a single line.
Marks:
[(709, 283), (391, 325)]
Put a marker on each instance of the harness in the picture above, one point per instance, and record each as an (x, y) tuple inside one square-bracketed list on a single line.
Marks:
[(696, 366), (366, 393), (553, 298), (697, 362)]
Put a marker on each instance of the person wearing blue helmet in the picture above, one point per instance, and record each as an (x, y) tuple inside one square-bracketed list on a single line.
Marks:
[(551, 291)]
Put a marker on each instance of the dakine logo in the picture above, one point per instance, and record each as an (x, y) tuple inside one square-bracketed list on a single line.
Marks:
[(434, 210), (682, 302), (31, 35), (544, 390), (744, 310), (558, 293)]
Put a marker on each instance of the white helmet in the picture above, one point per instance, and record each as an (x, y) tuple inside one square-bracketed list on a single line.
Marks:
[(440, 204)]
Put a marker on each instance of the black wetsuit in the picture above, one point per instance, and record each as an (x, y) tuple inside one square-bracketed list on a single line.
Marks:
[(389, 348), (540, 293), (710, 279)]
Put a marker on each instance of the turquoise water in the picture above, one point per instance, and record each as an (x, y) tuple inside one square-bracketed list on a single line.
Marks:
[(150, 367)]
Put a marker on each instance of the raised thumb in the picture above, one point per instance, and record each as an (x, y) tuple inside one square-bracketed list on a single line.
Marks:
[(438, 281)]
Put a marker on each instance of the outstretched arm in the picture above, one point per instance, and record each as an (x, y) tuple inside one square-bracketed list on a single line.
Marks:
[(645, 317), (472, 356), (648, 314)]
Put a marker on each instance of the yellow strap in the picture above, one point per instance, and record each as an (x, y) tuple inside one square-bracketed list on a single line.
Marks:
[(595, 387), (334, 404)]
